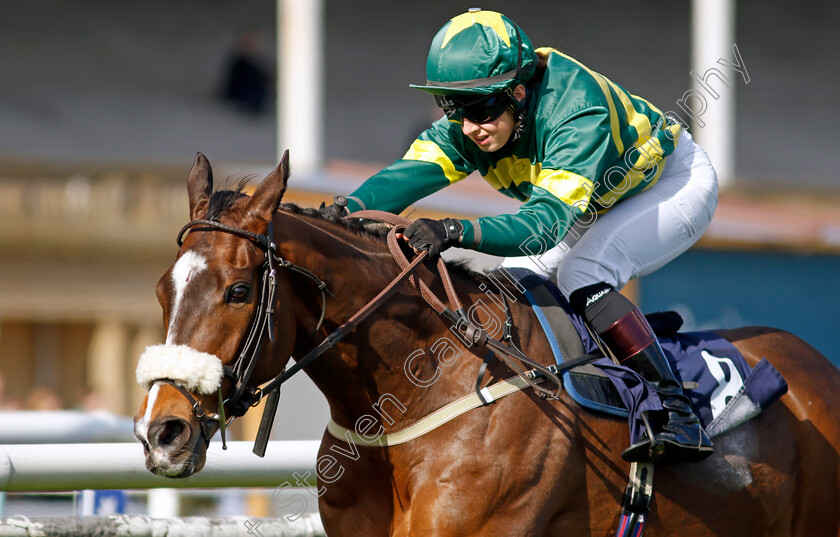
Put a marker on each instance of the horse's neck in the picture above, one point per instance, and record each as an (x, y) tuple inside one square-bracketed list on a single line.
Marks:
[(390, 366), (347, 262)]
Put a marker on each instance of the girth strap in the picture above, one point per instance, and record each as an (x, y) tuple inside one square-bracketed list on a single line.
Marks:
[(456, 408), (434, 420)]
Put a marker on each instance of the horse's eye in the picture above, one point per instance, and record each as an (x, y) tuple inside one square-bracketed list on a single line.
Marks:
[(238, 292)]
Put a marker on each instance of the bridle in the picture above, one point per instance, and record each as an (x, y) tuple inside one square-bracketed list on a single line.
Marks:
[(244, 397)]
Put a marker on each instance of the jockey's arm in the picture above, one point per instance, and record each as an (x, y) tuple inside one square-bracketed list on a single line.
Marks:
[(435, 160), (398, 186), (539, 224)]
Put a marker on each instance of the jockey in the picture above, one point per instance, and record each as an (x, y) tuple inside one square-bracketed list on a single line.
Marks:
[(611, 189)]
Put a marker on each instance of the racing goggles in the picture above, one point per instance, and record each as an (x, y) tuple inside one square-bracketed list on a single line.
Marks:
[(481, 109)]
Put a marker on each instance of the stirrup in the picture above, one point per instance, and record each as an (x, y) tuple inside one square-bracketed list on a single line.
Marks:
[(646, 449), (663, 447)]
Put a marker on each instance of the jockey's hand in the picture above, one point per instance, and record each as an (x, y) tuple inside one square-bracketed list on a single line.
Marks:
[(433, 235), (337, 210)]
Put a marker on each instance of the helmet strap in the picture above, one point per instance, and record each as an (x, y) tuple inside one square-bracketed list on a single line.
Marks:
[(519, 129), (518, 108)]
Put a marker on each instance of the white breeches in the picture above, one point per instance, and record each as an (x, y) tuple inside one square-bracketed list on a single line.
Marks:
[(640, 234)]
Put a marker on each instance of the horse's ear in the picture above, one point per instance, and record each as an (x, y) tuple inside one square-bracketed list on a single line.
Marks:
[(269, 192), (200, 186)]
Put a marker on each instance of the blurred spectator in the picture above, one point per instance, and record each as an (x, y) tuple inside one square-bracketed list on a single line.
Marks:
[(43, 398), (7, 402), (92, 401), (246, 79)]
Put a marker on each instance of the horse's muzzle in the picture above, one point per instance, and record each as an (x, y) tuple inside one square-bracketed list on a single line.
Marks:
[(175, 447)]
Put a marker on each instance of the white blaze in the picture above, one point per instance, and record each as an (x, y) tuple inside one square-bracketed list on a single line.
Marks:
[(185, 270), (141, 428)]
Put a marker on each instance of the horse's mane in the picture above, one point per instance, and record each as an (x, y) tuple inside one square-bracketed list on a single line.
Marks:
[(378, 231), (222, 200), (366, 228)]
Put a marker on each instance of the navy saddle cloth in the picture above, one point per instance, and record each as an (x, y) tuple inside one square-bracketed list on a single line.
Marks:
[(724, 390)]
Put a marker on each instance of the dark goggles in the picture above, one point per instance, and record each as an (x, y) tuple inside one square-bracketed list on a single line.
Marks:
[(482, 109)]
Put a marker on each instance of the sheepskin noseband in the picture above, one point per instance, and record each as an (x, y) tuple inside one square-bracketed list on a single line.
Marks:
[(198, 372)]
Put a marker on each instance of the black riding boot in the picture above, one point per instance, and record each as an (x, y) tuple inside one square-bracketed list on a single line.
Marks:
[(678, 435), (677, 432)]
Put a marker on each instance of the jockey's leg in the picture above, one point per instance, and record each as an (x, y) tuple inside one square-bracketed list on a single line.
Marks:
[(637, 236), (678, 434)]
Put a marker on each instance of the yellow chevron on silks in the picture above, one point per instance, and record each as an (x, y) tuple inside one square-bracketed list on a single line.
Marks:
[(426, 151), (511, 170), (491, 19), (570, 188), (647, 166), (640, 122), (603, 83)]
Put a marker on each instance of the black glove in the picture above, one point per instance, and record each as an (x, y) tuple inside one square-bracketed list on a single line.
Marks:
[(433, 235), (337, 210)]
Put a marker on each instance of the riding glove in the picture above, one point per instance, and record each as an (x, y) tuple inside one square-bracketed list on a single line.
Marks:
[(337, 210), (434, 235)]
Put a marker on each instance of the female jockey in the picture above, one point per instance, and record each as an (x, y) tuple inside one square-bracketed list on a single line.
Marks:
[(610, 187)]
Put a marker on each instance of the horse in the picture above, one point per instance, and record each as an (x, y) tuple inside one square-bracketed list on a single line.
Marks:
[(525, 464)]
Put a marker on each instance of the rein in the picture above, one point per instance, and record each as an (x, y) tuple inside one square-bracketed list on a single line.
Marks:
[(244, 397), (476, 337)]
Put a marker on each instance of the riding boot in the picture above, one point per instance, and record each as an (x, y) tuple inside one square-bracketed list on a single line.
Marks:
[(677, 432)]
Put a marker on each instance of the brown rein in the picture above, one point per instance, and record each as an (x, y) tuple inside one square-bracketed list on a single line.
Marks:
[(244, 397), (456, 314)]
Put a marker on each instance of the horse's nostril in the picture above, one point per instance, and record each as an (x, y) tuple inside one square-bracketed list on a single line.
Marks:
[(169, 433), (171, 430)]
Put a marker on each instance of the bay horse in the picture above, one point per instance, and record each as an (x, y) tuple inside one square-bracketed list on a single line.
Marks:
[(523, 465)]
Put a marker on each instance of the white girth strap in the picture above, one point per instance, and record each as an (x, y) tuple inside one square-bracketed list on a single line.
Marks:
[(198, 372), (433, 420)]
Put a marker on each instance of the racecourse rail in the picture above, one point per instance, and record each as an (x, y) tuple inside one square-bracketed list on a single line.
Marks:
[(63, 427), (69, 450), (140, 526), (60, 467)]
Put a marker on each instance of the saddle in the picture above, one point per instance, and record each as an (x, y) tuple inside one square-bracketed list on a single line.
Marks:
[(722, 387)]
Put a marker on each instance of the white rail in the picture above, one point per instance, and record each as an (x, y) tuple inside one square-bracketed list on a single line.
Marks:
[(140, 526), (60, 467), (63, 427)]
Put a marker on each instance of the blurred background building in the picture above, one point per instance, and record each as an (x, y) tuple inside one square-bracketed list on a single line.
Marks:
[(104, 104)]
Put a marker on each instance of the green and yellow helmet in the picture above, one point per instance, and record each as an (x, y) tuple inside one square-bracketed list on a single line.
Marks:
[(478, 52)]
